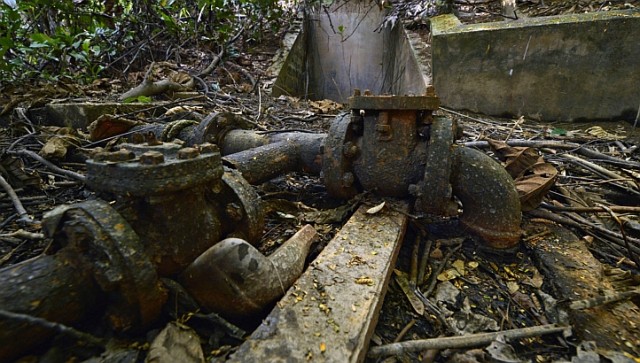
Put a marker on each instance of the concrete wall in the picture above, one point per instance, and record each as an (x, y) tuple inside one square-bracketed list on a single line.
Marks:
[(344, 48), (584, 66), (291, 66)]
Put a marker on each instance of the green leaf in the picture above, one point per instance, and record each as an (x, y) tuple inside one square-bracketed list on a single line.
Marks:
[(80, 56), (141, 99), (38, 45)]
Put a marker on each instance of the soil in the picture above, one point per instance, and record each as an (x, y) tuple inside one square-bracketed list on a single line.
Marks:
[(503, 291)]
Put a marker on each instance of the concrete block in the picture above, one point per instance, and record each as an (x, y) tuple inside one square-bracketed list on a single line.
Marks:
[(81, 114), (345, 47), (564, 68)]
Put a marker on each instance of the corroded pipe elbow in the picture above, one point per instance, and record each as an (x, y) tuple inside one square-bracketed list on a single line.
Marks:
[(234, 279), (491, 207)]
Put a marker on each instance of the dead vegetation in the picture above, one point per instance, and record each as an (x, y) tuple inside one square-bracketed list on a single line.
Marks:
[(444, 284)]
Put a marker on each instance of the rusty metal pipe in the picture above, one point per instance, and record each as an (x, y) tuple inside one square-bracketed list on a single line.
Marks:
[(264, 163), (491, 207), (261, 157), (235, 280), (57, 288)]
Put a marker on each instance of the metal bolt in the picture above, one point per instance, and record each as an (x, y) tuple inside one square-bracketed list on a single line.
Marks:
[(188, 153), (120, 155), (356, 92), (137, 138), (431, 91), (350, 150), (234, 212), (415, 190), (208, 148), (152, 158), (367, 92), (347, 179), (152, 140)]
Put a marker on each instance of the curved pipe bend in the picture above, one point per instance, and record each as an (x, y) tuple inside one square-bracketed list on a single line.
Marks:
[(491, 207)]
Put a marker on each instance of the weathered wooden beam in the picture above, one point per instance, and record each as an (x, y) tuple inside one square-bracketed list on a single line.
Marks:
[(331, 311), (574, 274)]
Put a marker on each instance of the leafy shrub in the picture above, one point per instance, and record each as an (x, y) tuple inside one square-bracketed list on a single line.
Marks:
[(51, 40)]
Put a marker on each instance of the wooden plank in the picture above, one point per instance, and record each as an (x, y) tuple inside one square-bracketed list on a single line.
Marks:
[(574, 274), (329, 314)]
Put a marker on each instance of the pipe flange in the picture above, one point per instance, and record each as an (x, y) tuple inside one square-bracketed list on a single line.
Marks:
[(108, 246), (434, 193), (141, 169), (242, 206), (337, 169), (388, 102)]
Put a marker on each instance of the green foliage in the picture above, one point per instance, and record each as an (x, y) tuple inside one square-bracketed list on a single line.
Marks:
[(141, 99), (57, 39)]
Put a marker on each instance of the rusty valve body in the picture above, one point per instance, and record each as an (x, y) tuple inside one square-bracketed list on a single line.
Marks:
[(164, 205), (394, 146), (179, 200)]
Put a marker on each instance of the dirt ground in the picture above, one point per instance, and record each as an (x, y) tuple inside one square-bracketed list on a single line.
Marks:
[(591, 209)]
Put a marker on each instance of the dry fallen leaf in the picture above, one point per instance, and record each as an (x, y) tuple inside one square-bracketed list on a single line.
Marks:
[(375, 209), (532, 175), (364, 281)]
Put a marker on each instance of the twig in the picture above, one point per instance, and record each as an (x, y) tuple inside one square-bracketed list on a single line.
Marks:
[(601, 300), (615, 208), (21, 233), (583, 224), (615, 217), (617, 237), (469, 117), (244, 72), (424, 259), (466, 341), (22, 213), (150, 88), (216, 59), (413, 272), (578, 148), (60, 328), (600, 170), (438, 271), (259, 105), (48, 164), (404, 331)]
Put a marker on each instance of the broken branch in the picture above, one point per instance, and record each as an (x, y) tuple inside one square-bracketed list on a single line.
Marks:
[(466, 341), (22, 213), (48, 164), (60, 328), (216, 59)]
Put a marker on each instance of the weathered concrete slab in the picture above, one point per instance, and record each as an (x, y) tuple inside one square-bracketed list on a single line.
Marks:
[(81, 114), (331, 311), (345, 47), (549, 68), (574, 274)]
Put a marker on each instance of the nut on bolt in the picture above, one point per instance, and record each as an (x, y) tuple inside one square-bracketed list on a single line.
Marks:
[(115, 156), (234, 212), (152, 158), (188, 153), (350, 150), (348, 179), (208, 148)]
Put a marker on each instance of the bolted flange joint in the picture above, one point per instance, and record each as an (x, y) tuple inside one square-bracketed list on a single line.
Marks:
[(142, 169), (107, 245)]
